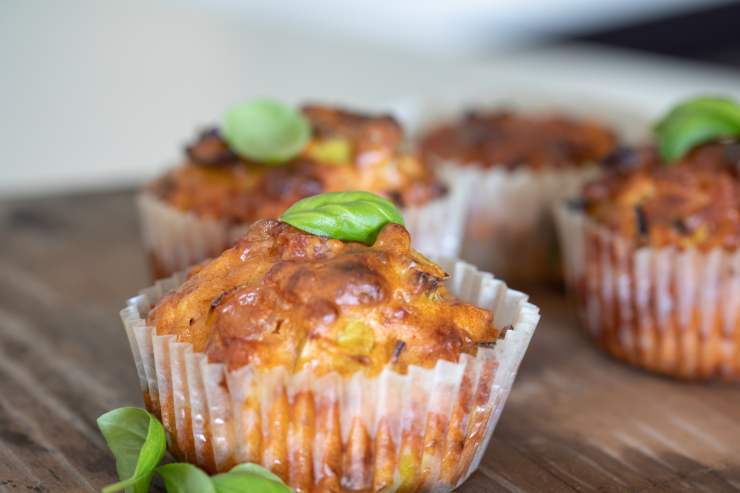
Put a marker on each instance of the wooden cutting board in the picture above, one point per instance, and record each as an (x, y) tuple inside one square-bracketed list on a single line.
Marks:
[(575, 421)]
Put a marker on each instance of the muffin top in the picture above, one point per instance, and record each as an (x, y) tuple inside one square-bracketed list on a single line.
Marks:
[(346, 151), (512, 140), (283, 297), (691, 202)]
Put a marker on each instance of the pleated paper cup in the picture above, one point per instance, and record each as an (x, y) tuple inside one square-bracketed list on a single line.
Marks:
[(671, 311), (509, 227), (176, 239), (425, 430)]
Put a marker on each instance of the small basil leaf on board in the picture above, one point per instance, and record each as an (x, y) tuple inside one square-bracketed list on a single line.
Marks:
[(181, 477), (696, 122), (266, 131), (247, 482), (346, 216), (137, 440), (248, 467)]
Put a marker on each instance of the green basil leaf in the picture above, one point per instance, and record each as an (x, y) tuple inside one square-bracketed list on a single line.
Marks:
[(696, 122), (247, 482), (248, 467), (683, 134), (266, 131), (181, 477), (725, 108), (346, 216), (137, 440)]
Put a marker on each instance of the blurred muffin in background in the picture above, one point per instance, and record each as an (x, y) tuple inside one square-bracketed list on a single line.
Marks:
[(519, 165), (338, 365), (651, 256), (234, 175)]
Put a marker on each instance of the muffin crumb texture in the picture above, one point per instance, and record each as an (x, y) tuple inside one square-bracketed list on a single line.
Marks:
[(284, 298), (692, 203)]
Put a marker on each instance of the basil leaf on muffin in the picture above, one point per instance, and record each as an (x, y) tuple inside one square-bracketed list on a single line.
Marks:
[(266, 131), (137, 440), (181, 477), (695, 122), (346, 216)]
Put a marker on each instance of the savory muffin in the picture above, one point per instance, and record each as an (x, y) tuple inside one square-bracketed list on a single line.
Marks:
[(339, 365), (521, 164), (652, 256), (198, 208), (347, 151)]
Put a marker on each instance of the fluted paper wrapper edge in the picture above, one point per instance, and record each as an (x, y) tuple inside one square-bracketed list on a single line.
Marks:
[(426, 429), (673, 311)]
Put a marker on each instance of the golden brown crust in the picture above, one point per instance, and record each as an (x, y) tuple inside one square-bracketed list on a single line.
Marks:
[(214, 182), (692, 203), (502, 138), (281, 297)]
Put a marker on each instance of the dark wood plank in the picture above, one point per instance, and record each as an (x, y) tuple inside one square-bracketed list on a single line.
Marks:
[(576, 420)]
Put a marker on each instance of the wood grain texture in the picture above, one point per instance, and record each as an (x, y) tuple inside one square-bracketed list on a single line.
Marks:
[(575, 421)]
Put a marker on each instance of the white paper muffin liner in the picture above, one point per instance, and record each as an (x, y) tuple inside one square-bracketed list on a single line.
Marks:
[(425, 430), (671, 311), (509, 227), (176, 240)]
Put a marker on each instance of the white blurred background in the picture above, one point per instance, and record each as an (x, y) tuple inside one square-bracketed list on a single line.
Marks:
[(103, 94)]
